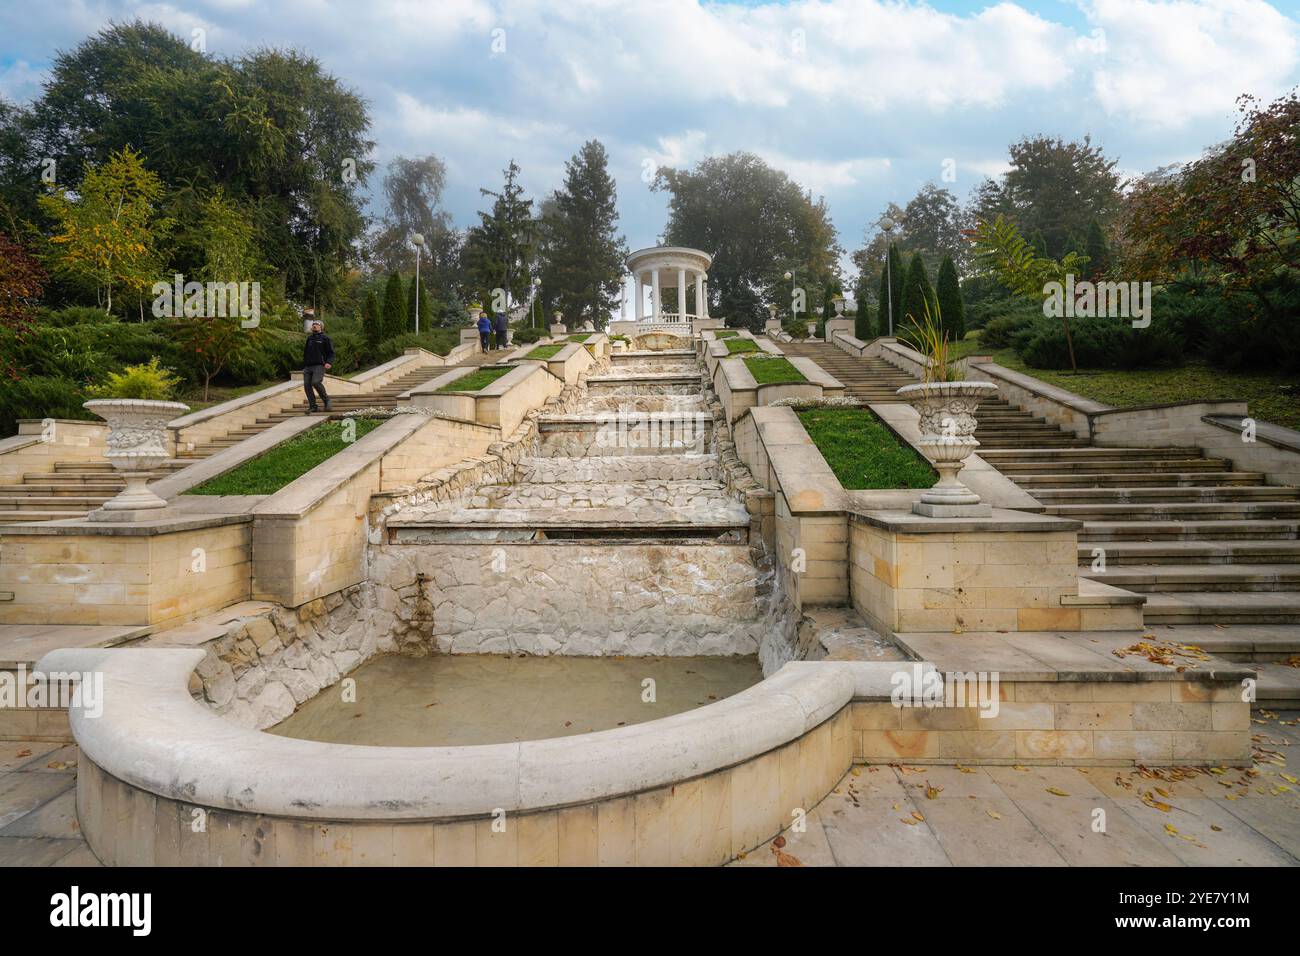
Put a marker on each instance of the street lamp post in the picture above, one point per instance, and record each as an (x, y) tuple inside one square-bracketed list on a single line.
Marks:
[(537, 287), (888, 226), (418, 240), (794, 315)]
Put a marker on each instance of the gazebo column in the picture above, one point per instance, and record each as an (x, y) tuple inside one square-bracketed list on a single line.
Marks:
[(658, 308), (699, 294), (681, 294), (640, 295)]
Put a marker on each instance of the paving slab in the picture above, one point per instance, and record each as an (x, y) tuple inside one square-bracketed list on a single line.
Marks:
[(15, 754), (21, 793), (808, 848), (35, 851), (25, 644), (55, 818)]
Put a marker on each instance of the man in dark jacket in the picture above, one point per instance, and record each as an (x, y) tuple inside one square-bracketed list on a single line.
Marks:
[(317, 359), (503, 329)]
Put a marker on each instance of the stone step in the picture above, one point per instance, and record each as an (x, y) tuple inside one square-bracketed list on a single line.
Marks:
[(9, 517), (1237, 642), (1222, 530), (1035, 466), (1278, 687), (1159, 495), (1124, 553), (1174, 511), (1171, 578), (83, 467), (43, 502), (1180, 479), (1092, 452), (61, 489), (1210, 607)]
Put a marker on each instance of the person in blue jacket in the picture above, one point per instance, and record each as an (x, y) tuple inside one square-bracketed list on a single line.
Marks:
[(484, 331)]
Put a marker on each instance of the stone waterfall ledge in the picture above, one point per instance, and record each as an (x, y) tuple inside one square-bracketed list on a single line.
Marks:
[(460, 478), (153, 736)]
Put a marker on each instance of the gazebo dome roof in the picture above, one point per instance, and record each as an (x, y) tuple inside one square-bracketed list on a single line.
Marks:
[(668, 259)]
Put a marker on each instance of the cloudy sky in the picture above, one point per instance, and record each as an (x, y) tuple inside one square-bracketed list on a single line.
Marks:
[(861, 101)]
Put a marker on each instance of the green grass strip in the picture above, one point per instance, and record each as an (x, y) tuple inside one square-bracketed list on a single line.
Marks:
[(290, 460), (545, 351), (580, 338), (773, 369), (725, 333), (741, 345), (476, 380), (863, 452)]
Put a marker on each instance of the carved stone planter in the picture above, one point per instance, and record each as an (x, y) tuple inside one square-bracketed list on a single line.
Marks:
[(137, 446), (948, 437)]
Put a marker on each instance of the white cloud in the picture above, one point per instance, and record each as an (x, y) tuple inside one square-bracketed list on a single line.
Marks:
[(1172, 61)]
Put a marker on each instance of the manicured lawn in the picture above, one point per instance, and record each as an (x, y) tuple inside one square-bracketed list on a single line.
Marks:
[(580, 338), (725, 333), (1191, 382), (475, 380), (270, 472), (770, 369), (741, 345), (862, 452), (545, 351)]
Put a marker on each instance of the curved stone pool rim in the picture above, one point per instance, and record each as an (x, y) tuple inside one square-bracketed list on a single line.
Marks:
[(694, 788)]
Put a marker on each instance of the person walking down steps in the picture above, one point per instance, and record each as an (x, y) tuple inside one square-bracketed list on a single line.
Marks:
[(317, 359), (503, 330)]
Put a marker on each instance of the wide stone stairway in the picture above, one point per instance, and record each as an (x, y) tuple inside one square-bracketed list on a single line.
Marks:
[(74, 488), (866, 379), (1215, 550), (874, 380)]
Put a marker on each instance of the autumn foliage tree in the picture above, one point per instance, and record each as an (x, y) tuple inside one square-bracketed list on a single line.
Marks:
[(109, 234)]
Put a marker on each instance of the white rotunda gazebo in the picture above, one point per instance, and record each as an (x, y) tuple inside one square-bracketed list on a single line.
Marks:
[(670, 267)]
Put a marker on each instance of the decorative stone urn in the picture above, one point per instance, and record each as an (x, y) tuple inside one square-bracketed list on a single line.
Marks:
[(773, 323), (838, 302), (137, 445), (948, 437), (558, 327)]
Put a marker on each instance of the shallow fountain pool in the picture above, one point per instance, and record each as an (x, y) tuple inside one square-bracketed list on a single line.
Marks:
[(462, 700)]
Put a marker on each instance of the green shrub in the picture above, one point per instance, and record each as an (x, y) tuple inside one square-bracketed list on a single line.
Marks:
[(1098, 343), (39, 396), (526, 335), (997, 333), (149, 381), (796, 330)]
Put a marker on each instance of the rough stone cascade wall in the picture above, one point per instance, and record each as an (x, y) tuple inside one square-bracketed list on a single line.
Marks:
[(267, 664), (579, 599)]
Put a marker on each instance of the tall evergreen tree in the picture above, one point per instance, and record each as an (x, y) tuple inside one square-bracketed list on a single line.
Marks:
[(395, 323), (948, 293), (582, 253), (499, 250), (1095, 249), (862, 325), (891, 292), (917, 291), (372, 321)]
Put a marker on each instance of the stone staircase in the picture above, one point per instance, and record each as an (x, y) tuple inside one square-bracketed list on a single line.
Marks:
[(1216, 551), (866, 379), (874, 380), (74, 488)]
